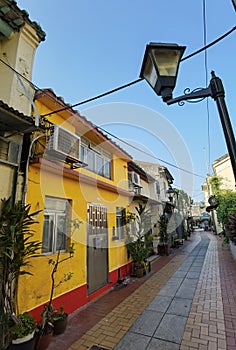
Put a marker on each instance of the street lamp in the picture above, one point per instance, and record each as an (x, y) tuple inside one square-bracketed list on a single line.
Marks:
[(160, 69), (170, 193)]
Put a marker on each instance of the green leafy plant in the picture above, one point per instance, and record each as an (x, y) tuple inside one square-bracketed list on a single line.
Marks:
[(137, 241), (49, 312), (230, 228), (24, 324), (59, 314), (226, 200), (162, 226), (17, 248)]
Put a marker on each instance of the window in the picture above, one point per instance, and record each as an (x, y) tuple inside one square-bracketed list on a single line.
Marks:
[(120, 222), (90, 160), (55, 225), (82, 153), (107, 168), (99, 165), (158, 191), (10, 151), (97, 159)]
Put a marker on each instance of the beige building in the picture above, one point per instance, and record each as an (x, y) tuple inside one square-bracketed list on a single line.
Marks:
[(222, 168), (19, 39)]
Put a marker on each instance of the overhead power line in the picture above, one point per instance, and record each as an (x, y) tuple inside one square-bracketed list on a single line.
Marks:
[(150, 155), (205, 47), (118, 88), (138, 80)]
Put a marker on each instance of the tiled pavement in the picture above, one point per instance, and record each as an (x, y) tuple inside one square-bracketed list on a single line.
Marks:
[(187, 302)]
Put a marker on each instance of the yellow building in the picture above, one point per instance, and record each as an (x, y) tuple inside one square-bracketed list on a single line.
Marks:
[(74, 173)]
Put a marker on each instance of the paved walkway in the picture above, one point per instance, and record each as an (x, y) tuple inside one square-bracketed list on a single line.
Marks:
[(187, 302)]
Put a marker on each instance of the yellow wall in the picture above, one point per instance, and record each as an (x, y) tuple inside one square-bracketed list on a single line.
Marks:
[(50, 179)]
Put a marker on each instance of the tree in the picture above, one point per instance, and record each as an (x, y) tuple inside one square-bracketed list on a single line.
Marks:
[(138, 242), (226, 200), (17, 247)]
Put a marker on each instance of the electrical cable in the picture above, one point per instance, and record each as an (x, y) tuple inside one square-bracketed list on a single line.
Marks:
[(206, 77), (210, 44), (150, 155), (205, 47), (138, 80), (118, 88)]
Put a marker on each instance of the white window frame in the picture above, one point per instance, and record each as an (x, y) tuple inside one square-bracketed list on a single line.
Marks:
[(50, 238), (120, 222), (105, 169)]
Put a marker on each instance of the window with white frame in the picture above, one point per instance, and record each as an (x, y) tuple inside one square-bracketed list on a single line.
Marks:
[(55, 226), (97, 160), (120, 222)]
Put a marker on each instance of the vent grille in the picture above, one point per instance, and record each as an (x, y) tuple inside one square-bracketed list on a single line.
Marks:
[(64, 143)]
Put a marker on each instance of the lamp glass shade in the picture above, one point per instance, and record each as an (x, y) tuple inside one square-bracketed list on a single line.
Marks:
[(170, 192), (167, 61), (150, 73)]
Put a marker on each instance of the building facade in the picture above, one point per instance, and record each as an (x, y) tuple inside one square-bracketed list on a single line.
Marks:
[(75, 174), (19, 39)]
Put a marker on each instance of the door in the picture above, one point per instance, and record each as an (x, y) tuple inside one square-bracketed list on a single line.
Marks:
[(97, 247)]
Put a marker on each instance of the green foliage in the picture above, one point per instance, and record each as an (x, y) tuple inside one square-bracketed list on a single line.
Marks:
[(17, 247), (60, 314), (225, 198), (162, 224), (136, 242), (215, 182), (49, 312), (24, 324), (230, 228), (227, 205)]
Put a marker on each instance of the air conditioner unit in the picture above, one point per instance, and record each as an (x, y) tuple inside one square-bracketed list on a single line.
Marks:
[(134, 178), (64, 144)]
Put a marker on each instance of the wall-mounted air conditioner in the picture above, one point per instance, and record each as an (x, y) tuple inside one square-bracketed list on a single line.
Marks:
[(134, 178), (64, 144)]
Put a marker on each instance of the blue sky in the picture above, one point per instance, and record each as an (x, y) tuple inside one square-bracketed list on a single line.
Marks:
[(95, 46)]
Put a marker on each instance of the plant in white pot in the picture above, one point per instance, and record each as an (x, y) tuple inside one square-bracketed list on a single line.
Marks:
[(23, 329)]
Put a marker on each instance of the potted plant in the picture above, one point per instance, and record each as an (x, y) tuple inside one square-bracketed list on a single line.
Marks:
[(60, 321), (22, 332), (17, 247), (163, 245), (136, 242), (46, 328)]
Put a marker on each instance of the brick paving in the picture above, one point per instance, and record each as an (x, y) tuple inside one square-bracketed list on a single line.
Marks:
[(205, 328), (212, 319), (228, 291)]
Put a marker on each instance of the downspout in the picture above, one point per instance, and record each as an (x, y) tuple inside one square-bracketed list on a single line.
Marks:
[(27, 167), (14, 185)]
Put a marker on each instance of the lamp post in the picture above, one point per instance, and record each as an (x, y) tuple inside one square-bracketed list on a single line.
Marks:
[(160, 68), (170, 193)]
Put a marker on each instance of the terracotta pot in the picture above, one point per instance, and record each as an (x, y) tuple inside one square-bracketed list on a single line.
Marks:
[(43, 341), (139, 272), (163, 249)]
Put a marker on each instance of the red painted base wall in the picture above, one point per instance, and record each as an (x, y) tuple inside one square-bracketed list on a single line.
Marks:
[(78, 297)]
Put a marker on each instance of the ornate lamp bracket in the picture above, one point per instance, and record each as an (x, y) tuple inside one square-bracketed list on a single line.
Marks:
[(196, 94)]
